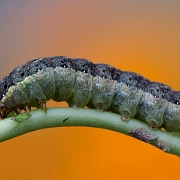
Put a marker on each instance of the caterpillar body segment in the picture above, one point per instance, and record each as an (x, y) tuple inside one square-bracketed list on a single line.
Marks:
[(64, 83), (126, 100), (171, 121), (47, 84), (82, 90), (151, 110), (102, 93)]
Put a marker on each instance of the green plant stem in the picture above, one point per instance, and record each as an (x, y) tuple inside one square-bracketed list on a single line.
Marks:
[(57, 117)]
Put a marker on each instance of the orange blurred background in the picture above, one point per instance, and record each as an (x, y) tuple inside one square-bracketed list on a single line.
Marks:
[(139, 36)]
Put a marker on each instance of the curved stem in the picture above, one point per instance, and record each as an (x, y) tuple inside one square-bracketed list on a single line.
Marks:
[(57, 117)]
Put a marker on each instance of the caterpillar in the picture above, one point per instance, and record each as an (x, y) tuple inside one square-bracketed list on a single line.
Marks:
[(81, 83)]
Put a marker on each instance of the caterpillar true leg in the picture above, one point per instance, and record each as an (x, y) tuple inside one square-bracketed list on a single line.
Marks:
[(27, 109)]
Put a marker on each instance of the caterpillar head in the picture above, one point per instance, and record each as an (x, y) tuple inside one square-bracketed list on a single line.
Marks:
[(4, 111)]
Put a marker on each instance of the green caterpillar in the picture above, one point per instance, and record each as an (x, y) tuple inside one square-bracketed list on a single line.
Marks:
[(81, 83)]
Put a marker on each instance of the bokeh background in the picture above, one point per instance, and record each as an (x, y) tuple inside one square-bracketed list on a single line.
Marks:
[(139, 36)]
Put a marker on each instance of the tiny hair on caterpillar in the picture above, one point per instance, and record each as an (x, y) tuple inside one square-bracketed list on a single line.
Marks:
[(81, 83)]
